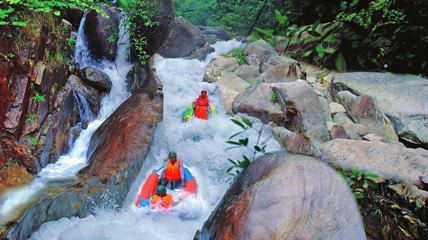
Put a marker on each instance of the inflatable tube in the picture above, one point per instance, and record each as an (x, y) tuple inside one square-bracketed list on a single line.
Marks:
[(191, 187), (187, 114), (148, 189)]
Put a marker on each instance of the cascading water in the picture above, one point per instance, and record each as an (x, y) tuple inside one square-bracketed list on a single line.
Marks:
[(68, 165), (85, 112), (199, 144)]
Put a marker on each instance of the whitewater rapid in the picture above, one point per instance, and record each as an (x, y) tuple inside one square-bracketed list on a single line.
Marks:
[(201, 147)]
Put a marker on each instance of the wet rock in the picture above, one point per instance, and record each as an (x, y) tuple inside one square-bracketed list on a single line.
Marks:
[(257, 102), (156, 35), (91, 94), (365, 110), (13, 175), (281, 196), (96, 79), (221, 34), (402, 98), (12, 151), (124, 135), (258, 53), (218, 66), (74, 16), (98, 29), (294, 142), (389, 161), (325, 109), (302, 110), (137, 77), (336, 108), (281, 69), (202, 53), (232, 82), (56, 143), (249, 74), (183, 39), (342, 118)]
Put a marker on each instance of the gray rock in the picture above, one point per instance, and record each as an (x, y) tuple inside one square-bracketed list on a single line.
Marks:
[(232, 82), (282, 196), (338, 131), (365, 110), (281, 69), (228, 96), (336, 108), (403, 98), (90, 93), (342, 118), (248, 73), (389, 161), (303, 111), (372, 137), (325, 109), (294, 142), (355, 131), (219, 32), (218, 67), (96, 78), (258, 53), (183, 39), (256, 102)]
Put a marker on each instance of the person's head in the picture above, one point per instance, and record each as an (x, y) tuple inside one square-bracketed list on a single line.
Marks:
[(161, 190), (203, 93), (172, 156)]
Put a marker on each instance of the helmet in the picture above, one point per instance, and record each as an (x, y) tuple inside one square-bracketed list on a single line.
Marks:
[(203, 90), (172, 154), (161, 190)]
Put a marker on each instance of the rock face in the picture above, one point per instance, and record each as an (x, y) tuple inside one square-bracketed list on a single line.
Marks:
[(56, 142), (302, 110), (281, 69), (232, 82), (12, 151), (294, 142), (306, 207), (96, 78), (91, 94), (258, 53), (257, 102), (115, 163), (365, 110), (248, 73), (183, 39), (403, 98), (98, 29), (390, 161)]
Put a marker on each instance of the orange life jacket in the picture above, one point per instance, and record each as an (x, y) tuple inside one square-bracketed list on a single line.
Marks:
[(166, 201), (173, 171), (201, 108)]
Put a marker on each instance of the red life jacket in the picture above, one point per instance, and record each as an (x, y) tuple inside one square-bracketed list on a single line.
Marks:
[(201, 108), (173, 171)]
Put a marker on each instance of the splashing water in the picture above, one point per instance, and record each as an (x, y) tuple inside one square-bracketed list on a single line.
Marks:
[(199, 144), (68, 165)]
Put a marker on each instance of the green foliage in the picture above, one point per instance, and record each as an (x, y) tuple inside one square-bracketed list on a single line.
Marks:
[(198, 12), (31, 118), (243, 142), (71, 41), (39, 98), (359, 180), (13, 163), (140, 15), (238, 54), (33, 141), (274, 97), (12, 12)]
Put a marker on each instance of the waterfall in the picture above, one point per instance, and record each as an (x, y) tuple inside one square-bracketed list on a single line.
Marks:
[(200, 146), (69, 164)]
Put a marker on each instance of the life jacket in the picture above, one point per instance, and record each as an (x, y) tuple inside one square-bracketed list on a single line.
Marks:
[(201, 108), (173, 171), (166, 201)]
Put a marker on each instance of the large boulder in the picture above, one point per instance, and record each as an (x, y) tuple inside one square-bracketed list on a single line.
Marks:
[(183, 39), (248, 73), (56, 142), (403, 98), (390, 161), (258, 53), (365, 110), (215, 34), (281, 69), (232, 82), (228, 96), (293, 142), (90, 93), (257, 102), (302, 110), (96, 78), (282, 196), (218, 67), (98, 31), (123, 136)]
